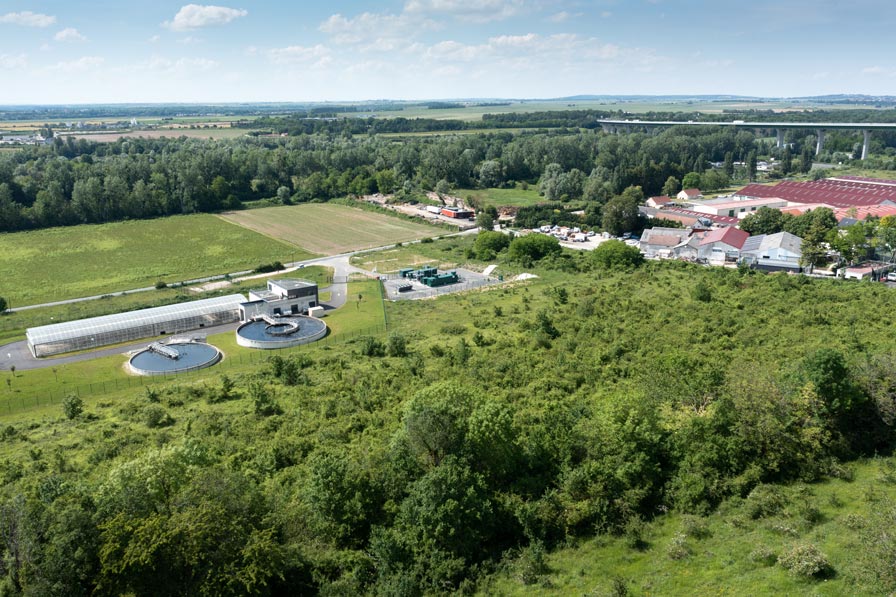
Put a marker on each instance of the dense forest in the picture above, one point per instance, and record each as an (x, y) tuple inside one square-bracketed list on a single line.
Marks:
[(481, 428)]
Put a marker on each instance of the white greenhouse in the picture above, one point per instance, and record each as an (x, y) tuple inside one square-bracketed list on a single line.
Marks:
[(146, 323)]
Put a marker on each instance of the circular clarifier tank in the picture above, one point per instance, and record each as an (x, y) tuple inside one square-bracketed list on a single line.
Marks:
[(281, 332), (178, 357)]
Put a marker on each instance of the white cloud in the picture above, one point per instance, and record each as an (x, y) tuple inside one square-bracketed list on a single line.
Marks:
[(154, 39), (514, 41), (879, 71), (315, 56), (10, 61), (445, 51), (379, 31), (194, 16), (476, 11), (82, 64), (69, 34), (565, 52), (179, 66), (560, 17), (28, 19)]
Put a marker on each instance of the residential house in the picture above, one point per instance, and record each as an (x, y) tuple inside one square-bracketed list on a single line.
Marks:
[(658, 202), (690, 195)]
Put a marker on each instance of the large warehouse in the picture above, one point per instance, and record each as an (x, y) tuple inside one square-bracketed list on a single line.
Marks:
[(111, 329)]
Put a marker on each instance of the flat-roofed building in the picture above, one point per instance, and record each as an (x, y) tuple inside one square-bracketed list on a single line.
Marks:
[(94, 332), (281, 297), (737, 208)]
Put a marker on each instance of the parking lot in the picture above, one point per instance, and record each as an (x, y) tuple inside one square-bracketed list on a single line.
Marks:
[(468, 281)]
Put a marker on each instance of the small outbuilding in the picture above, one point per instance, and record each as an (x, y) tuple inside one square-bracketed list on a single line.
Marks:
[(281, 297)]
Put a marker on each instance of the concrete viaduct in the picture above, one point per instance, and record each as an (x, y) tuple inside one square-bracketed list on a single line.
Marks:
[(613, 126)]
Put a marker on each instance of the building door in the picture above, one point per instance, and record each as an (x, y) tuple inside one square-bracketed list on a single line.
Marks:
[(295, 309)]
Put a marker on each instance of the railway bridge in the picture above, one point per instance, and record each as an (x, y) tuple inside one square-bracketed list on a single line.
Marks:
[(820, 128)]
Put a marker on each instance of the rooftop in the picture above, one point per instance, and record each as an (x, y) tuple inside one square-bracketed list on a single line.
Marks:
[(730, 236), (290, 284), (782, 240), (122, 321), (837, 192)]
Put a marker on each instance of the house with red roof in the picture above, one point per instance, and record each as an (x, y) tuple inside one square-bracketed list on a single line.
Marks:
[(658, 202), (690, 194)]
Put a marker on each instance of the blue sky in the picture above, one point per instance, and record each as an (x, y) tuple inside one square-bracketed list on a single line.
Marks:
[(256, 50)]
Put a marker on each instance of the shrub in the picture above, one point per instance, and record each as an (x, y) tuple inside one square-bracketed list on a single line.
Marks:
[(154, 416), (151, 394), (161, 284), (764, 556), (531, 564), (678, 548), (397, 345), (633, 533), (371, 347), (616, 255), (695, 527), (264, 404), (488, 244), (454, 329), (701, 292), (266, 268), (805, 561), (532, 247), (764, 500), (72, 406)]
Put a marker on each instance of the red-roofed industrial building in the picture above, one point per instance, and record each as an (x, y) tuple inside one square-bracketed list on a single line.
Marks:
[(836, 192)]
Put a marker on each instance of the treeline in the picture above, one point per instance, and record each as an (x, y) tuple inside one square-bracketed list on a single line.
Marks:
[(414, 463), (73, 182)]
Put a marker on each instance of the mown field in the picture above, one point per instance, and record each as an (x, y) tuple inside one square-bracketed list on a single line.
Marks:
[(329, 229), (60, 263), (503, 197), (223, 132)]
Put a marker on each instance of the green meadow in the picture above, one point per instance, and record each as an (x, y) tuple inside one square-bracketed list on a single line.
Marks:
[(60, 263)]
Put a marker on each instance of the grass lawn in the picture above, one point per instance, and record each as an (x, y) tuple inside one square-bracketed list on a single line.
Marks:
[(504, 197), (329, 229), (60, 263)]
